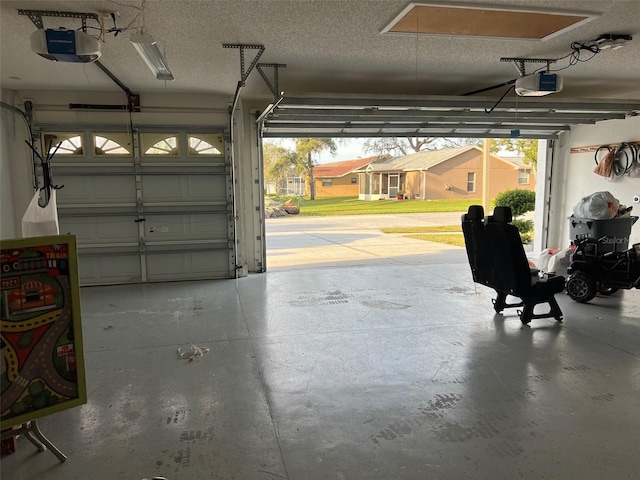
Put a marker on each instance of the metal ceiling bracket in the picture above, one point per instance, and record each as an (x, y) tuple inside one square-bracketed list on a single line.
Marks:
[(272, 86), (245, 74), (36, 16), (520, 63)]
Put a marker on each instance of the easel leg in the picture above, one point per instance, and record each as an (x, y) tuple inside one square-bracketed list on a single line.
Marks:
[(32, 433), (45, 441), (29, 436)]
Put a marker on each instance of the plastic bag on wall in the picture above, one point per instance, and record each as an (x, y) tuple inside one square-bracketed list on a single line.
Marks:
[(605, 166), (41, 221), (597, 206)]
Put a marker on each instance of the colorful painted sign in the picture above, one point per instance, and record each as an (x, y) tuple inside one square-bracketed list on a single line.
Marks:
[(41, 365)]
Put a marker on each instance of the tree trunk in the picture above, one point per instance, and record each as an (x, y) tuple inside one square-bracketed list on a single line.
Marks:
[(312, 183)]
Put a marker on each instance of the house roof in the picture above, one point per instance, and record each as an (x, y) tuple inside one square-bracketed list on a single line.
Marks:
[(421, 160), (427, 159), (518, 162), (340, 169)]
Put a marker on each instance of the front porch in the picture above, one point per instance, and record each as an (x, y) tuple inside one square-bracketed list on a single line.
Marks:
[(381, 185)]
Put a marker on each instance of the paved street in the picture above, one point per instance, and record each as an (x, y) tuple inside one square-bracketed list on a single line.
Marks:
[(354, 240)]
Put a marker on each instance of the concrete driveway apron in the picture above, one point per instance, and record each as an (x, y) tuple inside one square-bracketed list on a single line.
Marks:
[(305, 242)]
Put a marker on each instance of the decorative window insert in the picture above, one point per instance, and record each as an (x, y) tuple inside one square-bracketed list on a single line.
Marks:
[(112, 144), (66, 143), (205, 144), (160, 144)]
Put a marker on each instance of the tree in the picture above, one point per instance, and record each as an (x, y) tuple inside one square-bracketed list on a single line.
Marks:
[(278, 163), (400, 146), (397, 146), (523, 146), (304, 161)]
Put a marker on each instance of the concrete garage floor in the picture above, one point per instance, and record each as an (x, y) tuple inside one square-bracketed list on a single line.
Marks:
[(381, 371)]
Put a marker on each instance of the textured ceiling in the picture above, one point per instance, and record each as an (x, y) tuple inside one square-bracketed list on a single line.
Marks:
[(329, 47)]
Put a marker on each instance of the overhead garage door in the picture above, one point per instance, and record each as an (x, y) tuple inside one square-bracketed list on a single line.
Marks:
[(148, 206)]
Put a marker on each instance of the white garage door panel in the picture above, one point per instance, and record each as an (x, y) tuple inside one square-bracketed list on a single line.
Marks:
[(183, 188), (109, 269), (186, 227), (195, 265), (150, 216), (103, 230), (98, 189)]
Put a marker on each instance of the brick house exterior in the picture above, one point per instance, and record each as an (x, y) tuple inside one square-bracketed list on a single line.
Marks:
[(444, 174), (339, 179)]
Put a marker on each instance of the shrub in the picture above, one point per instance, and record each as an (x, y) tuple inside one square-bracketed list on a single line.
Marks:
[(520, 201), (525, 229)]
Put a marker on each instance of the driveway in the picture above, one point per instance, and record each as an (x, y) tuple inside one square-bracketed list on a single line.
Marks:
[(355, 240)]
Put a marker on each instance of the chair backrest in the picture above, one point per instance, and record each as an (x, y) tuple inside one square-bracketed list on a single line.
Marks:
[(471, 226), (501, 255)]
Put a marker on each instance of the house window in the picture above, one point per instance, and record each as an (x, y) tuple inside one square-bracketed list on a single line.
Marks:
[(327, 182), (471, 182), (523, 178), (354, 181)]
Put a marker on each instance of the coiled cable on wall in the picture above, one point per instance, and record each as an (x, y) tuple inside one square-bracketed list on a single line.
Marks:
[(625, 158), (598, 155), (621, 161), (631, 151)]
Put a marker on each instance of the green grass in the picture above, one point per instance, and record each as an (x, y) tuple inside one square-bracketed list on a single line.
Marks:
[(436, 229), (451, 239), (330, 206)]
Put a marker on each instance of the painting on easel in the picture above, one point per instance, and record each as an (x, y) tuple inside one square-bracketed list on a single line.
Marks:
[(41, 362)]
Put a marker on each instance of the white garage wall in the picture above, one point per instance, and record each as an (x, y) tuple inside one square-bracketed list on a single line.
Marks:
[(15, 169), (573, 176)]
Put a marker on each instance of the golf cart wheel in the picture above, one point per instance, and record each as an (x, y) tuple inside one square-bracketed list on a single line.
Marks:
[(581, 287), (607, 290)]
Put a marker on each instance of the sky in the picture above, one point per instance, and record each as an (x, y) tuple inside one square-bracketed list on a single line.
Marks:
[(348, 149)]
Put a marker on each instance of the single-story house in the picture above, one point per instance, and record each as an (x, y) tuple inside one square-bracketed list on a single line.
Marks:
[(339, 179), (441, 174)]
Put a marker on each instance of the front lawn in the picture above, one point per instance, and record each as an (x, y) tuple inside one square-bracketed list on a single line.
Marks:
[(449, 234), (433, 229), (449, 238), (330, 206)]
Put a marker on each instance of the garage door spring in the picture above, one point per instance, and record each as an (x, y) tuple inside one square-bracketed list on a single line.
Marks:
[(625, 159)]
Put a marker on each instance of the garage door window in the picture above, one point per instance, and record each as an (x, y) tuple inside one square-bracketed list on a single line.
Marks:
[(205, 144), (66, 144), (154, 144), (112, 144)]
